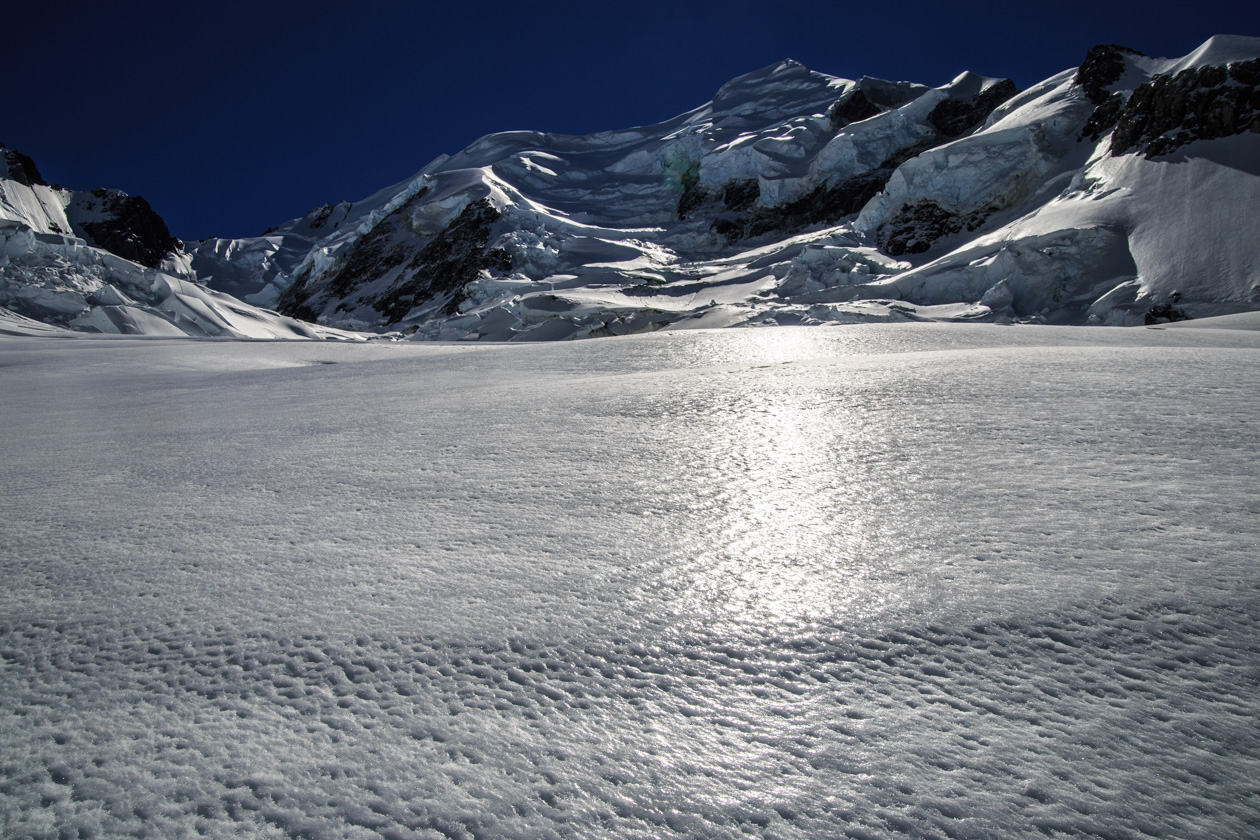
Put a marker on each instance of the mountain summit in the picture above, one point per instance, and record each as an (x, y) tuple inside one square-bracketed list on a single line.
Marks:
[(1119, 192)]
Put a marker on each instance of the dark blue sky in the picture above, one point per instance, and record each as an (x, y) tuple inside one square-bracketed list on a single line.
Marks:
[(229, 117)]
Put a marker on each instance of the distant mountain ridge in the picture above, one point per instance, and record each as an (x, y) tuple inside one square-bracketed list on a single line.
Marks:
[(103, 261), (1120, 192)]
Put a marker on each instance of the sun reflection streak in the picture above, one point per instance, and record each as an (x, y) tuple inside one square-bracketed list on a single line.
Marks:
[(782, 467)]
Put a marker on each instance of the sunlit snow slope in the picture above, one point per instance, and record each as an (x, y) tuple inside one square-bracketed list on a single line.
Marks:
[(913, 580), (1120, 192)]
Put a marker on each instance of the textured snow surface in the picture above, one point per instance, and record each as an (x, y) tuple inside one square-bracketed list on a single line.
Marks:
[(907, 580)]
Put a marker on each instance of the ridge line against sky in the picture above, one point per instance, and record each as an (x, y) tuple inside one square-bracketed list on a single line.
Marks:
[(231, 117)]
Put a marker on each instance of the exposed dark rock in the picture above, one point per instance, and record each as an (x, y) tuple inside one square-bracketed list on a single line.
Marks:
[(122, 224), (826, 204), (1164, 313), (740, 218), (693, 197), (295, 300), (442, 268), (916, 227), (445, 266), (1199, 103), (850, 108), (1104, 117), (377, 252), (21, 168), (740, 195), (131, 229), (1245, 72), (370, 258), (953, 117), (1103, 66), (319, 216), (887, 95)]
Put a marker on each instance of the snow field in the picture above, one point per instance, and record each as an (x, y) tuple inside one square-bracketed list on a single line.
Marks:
[(918, 580)]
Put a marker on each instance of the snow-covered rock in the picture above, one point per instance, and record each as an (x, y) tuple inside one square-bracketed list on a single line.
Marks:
[(60, 280), (1107, 194), (792, 190)]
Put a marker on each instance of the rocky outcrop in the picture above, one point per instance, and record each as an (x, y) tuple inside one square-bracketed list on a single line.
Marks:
[(1103, 119), (825, 204), (381, 250), (1199, 103), (1103, 66), (740, 195), (833, 200), (692, 199), (452, 260), (953, 117), (916, 227), (1164, 313), (850, 108), (20, 168), (319, 216), (124, 225), (436, 273)]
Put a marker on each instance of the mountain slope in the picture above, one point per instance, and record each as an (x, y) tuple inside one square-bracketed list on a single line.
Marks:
[(1113, 193), (1120, 192), (104, 262)]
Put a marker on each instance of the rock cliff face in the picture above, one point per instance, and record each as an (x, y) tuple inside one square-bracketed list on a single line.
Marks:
[(435, 275), (124, 225), (1199, 103), (20, 168), (443, 269), (917, 226), (954, 116), (119, 223), (742, 216), (104, 262)]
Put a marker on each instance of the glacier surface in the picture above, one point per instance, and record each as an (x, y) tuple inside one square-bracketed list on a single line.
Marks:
[(910, 580)]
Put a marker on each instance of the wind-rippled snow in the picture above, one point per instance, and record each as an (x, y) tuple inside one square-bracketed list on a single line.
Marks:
[(905, 580)]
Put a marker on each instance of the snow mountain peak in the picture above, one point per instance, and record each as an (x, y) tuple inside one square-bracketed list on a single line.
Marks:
[(1112, 193)]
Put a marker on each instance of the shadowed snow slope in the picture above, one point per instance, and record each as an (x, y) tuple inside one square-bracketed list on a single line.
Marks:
[(914, 580)]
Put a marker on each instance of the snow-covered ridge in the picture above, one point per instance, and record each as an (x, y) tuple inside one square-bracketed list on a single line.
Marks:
[(102, 261), (797, 197), (60, 283), (1112, 193)]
